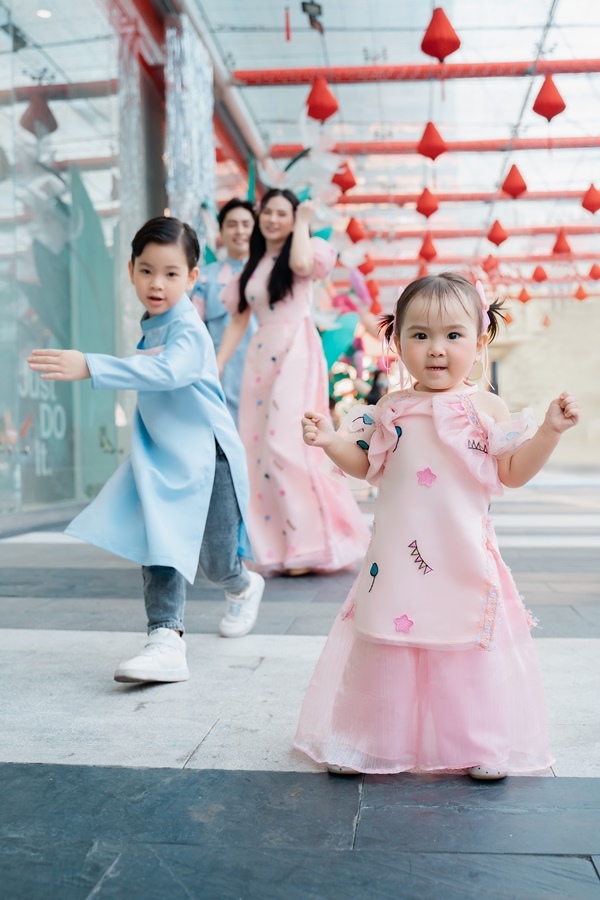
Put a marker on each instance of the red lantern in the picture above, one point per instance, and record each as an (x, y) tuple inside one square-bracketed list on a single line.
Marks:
[(524, 296), (367, 266), (561, 245), (344, 178), (427, 203), (548, 102), (373, 288), (497, 235), (591, 200), (440, 38), (428, 250), (355, 231), (490, 264), (320, 102), (514, 183), (581, 293), (38, 118), (508, 319), (546, 322), (432, 144), (595, 272), (539, 274)]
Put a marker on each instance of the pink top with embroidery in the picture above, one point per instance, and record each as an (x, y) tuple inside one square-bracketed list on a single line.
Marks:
[(430, 578)]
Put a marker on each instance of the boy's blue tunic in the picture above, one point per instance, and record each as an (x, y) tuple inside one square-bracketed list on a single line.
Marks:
[(153, 509)]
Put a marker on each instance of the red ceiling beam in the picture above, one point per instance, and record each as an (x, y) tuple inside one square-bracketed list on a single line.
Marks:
[(419, 72), (440, 261), (350, 199), (228, 147), (401, 148), (74, 91), (444, 233)]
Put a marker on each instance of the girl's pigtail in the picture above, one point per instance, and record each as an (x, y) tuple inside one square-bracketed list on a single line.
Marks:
[(496, 315), (386, 327)]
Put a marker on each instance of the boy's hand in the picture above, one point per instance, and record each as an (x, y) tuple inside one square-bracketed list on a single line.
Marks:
[(317, 430), (59, 365), (563, 413)]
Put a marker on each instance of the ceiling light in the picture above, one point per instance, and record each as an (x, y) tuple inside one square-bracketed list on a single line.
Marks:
[(44, 13)]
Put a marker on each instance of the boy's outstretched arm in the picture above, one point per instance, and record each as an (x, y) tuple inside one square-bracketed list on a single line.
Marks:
[(518, 469), (59, 365), (318, 431)]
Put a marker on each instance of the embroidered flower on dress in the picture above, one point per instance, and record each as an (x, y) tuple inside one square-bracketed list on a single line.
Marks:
[(373, 572), (403, 623), (348, 613), (426, 477)]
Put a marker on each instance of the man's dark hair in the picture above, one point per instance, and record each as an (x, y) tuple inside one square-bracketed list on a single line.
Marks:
[(235, 203)]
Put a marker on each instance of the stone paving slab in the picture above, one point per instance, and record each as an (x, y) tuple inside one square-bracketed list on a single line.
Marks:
[(73, 832), (239, 710)]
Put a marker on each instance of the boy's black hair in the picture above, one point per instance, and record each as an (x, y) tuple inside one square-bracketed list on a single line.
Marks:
[(281, 279), (235, 203), (167, 230)]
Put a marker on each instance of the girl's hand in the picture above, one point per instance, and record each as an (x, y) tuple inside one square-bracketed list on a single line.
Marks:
[(563, 413), (59, 365), (305, 211), (317, 430)]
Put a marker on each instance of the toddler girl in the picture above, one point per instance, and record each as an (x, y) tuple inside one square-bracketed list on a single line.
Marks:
[(430, 664)]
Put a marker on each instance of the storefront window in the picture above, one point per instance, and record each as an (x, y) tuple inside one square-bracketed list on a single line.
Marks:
[(59, 212)]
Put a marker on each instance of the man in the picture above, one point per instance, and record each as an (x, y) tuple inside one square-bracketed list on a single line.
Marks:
[(236, 221)]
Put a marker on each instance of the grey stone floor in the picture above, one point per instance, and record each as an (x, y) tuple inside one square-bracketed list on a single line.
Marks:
[(193, 791)]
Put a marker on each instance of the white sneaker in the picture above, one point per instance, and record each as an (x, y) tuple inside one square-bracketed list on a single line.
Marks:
[(242, 609), (486, 773), (162, 659)]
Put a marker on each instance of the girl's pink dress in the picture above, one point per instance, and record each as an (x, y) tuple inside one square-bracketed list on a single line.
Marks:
[(430, 664), (298, 516)]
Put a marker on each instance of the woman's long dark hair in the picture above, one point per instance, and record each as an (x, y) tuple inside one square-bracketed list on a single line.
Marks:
[(282, 277)]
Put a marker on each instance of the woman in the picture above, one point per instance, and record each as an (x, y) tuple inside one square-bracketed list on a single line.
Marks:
[(300, 519)]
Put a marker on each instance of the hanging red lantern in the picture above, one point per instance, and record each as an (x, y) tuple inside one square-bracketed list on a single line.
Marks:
[(428, 250), (355, 231), (508, 319), (497, 235), (539, 274), (344, 178), (514, 183), (548, 102), (595, 272), (321, 104), (440, 38), (373, 288), (432, 144), (546, 322), (490, 264), (581, 294), (367, 266), (524, 296), (561, 244), (38, 118), (427, 203), (591, 200), (423, 271)]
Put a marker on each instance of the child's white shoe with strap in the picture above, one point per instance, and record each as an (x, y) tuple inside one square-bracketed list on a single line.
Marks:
[(162, 659), (486, 773), (242, 609)]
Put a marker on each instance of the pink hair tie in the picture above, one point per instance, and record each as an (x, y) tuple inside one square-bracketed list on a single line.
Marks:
[(485, 319)]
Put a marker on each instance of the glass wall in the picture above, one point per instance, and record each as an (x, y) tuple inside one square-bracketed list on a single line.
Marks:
[(61, 249)]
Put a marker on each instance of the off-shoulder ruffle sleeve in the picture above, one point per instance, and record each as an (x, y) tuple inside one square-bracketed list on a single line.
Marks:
[(324, 257), (359, 424), (507, 437), (230, 295)]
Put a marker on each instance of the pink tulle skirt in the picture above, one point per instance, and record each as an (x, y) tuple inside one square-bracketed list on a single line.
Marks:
[(383, 709)]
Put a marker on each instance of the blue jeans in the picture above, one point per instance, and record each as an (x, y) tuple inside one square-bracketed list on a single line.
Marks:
[(165, 588)]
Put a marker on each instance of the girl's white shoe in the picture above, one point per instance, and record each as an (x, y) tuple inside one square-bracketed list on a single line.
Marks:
[(341, 770), (486, 773)]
